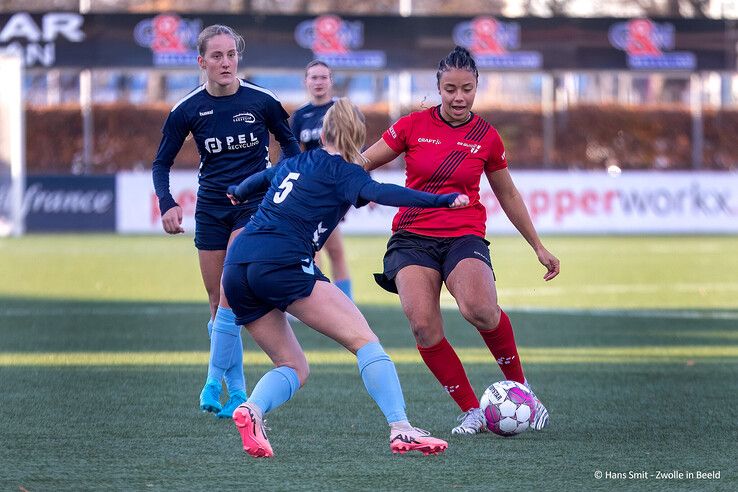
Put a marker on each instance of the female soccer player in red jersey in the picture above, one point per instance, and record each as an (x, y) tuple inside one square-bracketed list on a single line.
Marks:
[(448, 147)]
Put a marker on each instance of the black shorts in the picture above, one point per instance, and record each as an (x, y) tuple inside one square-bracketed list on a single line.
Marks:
[(254, 289), (439, 253), (214, 225)]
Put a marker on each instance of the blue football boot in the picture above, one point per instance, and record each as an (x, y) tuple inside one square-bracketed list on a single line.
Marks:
[(236, 398), (210, 397)]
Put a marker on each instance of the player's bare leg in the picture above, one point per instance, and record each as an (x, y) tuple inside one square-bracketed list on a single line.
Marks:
[(420, 289), (472, 284), (330, 312), (274, 335)]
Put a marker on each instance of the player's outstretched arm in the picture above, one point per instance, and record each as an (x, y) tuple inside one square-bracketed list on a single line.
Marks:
[(514, 206), (398, 196), (256, 182), (378, 155)]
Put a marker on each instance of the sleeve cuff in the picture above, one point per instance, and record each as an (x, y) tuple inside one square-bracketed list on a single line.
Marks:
[(391, 143), (165, 203)]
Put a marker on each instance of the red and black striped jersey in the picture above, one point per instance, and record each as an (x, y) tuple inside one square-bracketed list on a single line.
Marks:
[(441, 158)]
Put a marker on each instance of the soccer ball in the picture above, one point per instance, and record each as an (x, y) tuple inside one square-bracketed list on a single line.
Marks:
[(509, 408)]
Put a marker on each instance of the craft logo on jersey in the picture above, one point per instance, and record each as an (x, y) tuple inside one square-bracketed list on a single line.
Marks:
[(214, 145), (332, 40), (173, 40), (490, 41), (244, 118), (644, 42), (429, 140), (34, 42)]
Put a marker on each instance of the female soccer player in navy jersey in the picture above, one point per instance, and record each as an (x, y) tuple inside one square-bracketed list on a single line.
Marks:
[(230, 120), (269, 268), (307, 124), (449, 147)]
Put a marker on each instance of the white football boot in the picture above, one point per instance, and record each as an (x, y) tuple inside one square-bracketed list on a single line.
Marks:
[(540, 421), (471, 422)]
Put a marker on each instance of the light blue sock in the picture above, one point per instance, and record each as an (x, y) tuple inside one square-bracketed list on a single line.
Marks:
[(234, 378), (275, 388), (223, 342), (381, 381), (345, 286)]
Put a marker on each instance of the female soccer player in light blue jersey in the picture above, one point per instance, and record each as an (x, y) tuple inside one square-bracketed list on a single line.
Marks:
[(269, 269), (230, 120)]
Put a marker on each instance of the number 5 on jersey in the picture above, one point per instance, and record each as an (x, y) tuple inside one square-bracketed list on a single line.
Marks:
[(286, 187)]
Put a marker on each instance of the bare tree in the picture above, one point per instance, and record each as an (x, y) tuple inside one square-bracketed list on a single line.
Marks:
[(557, 7), (675, 8), (656, 8), (546, 8)]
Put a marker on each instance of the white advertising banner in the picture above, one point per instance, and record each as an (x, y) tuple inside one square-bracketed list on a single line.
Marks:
[(634, 202), (138, 207)]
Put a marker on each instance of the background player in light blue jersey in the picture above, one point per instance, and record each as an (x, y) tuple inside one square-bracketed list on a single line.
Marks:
[(307, 125), (230, 120), (269, 269)]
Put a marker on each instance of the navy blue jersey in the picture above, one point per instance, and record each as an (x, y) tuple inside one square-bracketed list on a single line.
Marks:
[(232, 137), (307, 122), (307, 197)]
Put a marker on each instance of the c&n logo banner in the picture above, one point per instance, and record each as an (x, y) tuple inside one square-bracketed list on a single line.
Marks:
[(334, 40)]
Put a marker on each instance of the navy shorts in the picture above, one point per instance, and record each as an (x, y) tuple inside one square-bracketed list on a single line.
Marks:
[(214, 225), (439, 253), (254, 289)]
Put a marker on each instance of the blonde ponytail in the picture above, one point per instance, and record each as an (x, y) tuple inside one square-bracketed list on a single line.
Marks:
[(344, 129)]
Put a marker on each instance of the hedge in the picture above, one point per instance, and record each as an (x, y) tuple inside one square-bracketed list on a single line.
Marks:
[(126, 137)]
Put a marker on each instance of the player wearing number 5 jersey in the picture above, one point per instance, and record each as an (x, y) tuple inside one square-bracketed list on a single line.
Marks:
[(269, 269), (449, 147), (307, 124), (230, 120)]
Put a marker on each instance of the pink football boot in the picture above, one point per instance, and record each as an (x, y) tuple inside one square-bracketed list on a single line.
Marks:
[(251, 427)]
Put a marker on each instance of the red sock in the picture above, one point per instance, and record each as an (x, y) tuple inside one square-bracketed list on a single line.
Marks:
[(501, 342), (445, 365)]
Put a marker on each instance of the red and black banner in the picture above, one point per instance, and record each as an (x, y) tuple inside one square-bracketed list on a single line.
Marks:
[(68, 39)]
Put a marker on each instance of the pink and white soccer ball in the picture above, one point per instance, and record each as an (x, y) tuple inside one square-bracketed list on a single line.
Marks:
[(509, 408)]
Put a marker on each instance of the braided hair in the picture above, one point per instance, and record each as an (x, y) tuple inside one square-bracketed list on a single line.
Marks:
[(458, 59)]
